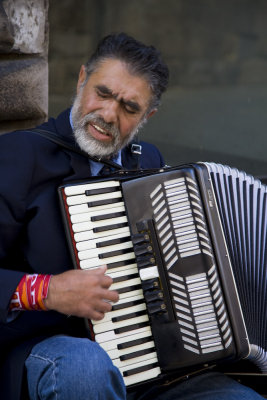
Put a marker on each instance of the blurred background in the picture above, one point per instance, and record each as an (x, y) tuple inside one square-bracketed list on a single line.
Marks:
[(216, 105)]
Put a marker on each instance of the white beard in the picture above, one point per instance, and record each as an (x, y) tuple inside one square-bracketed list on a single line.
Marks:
[(89, 144)]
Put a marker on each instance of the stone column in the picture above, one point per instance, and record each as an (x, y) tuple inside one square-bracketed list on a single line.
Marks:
[(23, 63)]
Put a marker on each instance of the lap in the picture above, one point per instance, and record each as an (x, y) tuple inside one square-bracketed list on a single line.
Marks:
[(71, 367), (207, 386)]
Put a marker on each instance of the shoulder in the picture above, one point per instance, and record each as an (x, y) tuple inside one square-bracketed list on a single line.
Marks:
[(151, 156)]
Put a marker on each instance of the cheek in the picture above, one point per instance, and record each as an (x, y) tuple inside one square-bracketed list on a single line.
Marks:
[(88, 104)]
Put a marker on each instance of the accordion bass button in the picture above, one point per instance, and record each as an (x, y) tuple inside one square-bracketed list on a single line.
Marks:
[(150, 284), (140, 238), (152, 295), (156, 307), (144, 261)]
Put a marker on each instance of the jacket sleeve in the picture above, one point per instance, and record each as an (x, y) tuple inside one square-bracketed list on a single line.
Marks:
[(15, 177)]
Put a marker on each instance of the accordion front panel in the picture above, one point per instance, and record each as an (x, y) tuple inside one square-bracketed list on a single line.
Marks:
[(152, 234)]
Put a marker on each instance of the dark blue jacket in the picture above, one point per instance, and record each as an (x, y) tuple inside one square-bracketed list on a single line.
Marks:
[(32, 237)]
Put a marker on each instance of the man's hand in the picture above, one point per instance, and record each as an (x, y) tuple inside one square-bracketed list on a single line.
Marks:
[(81, 293)]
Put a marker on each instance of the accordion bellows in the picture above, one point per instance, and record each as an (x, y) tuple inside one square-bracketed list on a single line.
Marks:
[(242, 203)]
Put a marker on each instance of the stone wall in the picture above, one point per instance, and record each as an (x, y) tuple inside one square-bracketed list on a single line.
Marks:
[(23, 63)]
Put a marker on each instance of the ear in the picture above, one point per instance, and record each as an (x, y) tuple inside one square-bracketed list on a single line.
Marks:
[(82, 77), (152, 112)]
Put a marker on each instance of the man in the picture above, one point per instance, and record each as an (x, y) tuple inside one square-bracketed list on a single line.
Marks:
[(43, 300)]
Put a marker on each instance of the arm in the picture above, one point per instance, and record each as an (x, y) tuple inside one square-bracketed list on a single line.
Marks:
[(23, 227)]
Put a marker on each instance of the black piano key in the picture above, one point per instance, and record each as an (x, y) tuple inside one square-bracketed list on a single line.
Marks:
[(143, 368), (128, 316), (125, 277), (112, 242), (120, 263), (129, 328), (93, 192), (135, 354), (128, 289), (114, 253), (103, 202), (135, 342), (109, 227), (116, 307), (107, 216)]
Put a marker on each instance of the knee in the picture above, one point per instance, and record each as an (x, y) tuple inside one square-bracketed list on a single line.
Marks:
[(77, 368), (90, 370)]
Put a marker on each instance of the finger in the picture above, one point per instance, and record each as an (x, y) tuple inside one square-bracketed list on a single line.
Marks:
[(96, 315), (100, 270), (110, 295), (106, 281)]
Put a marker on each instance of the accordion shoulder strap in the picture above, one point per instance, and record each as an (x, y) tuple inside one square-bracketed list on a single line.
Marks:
[(69, 146)]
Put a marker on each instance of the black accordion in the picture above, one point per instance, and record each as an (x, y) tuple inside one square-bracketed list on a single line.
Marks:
[(186, 248)]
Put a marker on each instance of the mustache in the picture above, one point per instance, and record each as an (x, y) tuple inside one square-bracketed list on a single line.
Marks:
[(96, 119)]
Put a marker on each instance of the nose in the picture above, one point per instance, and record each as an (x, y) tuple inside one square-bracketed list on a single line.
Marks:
[(109, 111)]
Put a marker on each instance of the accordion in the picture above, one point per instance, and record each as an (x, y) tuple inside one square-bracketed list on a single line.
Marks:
[(186, 248)]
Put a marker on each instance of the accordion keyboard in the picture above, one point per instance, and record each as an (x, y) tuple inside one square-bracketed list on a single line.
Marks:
[(101, 236)]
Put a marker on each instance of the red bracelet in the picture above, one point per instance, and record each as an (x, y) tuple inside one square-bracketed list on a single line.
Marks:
[(30, 293)]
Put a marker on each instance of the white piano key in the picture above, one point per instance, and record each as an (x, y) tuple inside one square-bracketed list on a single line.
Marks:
[(124, 268), (122, 272), (91, 253), (124, 311), (115, 353), (142, 360), (123, 284), (128, 365), (123, 337), (131, 293), (78, 189), (113, 344), (91, 244), (108, 326), (83, 208), (131, 298), (86, 216), (142, 376), (94, 262), (87, 235), (81, 199), (84, 226)]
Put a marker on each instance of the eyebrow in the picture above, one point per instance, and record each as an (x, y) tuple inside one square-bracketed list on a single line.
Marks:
[(132, 104)]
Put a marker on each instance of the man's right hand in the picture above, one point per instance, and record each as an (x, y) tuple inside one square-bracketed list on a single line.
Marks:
[(82, 293)]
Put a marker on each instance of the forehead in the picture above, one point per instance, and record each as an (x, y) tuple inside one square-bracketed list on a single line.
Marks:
[(116, 76)]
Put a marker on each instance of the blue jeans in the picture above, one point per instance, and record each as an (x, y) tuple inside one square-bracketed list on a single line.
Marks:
[(67, 368), (207, 386)]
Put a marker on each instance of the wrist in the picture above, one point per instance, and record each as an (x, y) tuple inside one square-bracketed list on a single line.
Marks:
[(31, 293)]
